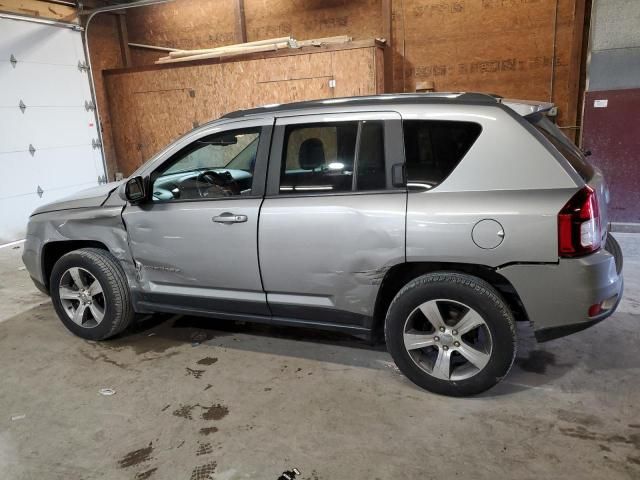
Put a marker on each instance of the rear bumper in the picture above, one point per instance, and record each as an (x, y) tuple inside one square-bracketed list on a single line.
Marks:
[(557, 297)]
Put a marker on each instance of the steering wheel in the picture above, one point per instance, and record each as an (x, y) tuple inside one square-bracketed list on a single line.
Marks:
[(216, 184)]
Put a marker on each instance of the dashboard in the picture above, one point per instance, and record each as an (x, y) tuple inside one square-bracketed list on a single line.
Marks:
[(202, 184)]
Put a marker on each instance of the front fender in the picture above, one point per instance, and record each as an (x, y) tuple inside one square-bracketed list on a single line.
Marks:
[(102, 225)]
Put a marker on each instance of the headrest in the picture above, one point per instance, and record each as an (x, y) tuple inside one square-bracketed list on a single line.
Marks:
[(311, 154)]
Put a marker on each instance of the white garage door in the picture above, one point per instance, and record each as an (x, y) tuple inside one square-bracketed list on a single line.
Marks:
[(48, 134)]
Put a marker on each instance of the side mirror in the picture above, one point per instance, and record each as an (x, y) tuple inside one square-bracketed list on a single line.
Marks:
[(134, 190)]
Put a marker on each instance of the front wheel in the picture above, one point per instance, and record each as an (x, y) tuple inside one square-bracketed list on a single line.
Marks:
[(451, 333), (90, 294)]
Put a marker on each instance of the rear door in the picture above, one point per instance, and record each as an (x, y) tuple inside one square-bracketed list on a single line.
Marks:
[(332, 222)]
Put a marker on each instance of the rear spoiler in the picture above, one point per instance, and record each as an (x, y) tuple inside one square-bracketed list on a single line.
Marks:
[(528, 107)]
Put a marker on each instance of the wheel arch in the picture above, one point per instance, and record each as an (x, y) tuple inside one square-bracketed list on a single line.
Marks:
[(53, 251), (401, 274)]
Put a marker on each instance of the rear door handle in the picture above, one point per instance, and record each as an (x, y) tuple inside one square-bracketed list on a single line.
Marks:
[(228, 217)]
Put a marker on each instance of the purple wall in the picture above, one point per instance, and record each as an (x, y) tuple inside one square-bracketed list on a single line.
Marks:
[(612, 133)]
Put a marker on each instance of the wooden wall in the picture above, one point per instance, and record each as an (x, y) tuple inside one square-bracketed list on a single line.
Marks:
[(184, 24), (514, 48), (152, 106), (106, 54), (517, 48)]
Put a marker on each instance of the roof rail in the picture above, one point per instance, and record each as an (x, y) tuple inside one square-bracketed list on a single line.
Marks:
[(391, 98)]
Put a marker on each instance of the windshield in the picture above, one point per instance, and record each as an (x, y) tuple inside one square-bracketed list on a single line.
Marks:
[(245, 159), (562, 143), (233, 151)]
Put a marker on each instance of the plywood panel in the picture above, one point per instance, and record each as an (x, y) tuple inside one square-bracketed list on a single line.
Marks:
[(294, 90), (36, 8), (313, 18), (151, 108), (105, 54), (162, 115), (521, 48), (355, 73), (186, 24), (144, 56), (516, 48)]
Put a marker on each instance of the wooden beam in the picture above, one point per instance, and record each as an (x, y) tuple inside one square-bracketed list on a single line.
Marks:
[(387, 32), (188, 53), (284, 52), (241, 26), (251, 47), (123, 37), (579, 45), (153, 47), (219, 53)]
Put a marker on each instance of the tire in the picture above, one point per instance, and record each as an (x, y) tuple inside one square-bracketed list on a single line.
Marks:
[(613, 247), (105, 313), (451, 300)]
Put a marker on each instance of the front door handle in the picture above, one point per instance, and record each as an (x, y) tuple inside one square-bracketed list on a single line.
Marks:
[(228, 217)]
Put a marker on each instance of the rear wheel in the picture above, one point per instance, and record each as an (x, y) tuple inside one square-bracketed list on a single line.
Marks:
[(90, 294), (451, 333)]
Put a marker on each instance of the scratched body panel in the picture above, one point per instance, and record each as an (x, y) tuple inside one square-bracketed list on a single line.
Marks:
[(330, 251), (98, 224)]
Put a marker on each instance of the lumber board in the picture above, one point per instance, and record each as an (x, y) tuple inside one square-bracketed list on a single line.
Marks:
[(260, 46), (188, 53), (228, 52)]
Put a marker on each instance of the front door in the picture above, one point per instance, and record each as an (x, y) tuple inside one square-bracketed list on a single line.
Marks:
[(332, 222), (195, 242)]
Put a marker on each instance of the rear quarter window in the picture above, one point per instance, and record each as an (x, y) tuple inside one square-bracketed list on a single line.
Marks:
[(433, 149)]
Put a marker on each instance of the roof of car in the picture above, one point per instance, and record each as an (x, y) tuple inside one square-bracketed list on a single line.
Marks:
[(462, 98)]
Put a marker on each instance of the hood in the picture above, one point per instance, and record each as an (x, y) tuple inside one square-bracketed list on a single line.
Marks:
[(90, 197)]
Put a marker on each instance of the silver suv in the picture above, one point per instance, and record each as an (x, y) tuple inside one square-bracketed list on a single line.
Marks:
[(439, 219)]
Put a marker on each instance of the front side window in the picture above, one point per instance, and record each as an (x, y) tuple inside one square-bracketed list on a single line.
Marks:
[(333, 157), (218, 165), (433, 149)]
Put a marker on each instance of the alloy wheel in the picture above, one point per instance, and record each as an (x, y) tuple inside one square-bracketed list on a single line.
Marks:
[(447, 339), (82, 297)]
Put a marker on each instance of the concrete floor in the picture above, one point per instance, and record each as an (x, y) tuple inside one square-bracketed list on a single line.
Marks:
[(198, 398)]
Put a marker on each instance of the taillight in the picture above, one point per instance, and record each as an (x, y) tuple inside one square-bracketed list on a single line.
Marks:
[(579, 225)]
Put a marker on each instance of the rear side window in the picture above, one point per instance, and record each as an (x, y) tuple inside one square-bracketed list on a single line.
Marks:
[(433, 149), (333, 158), (565, 146)]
